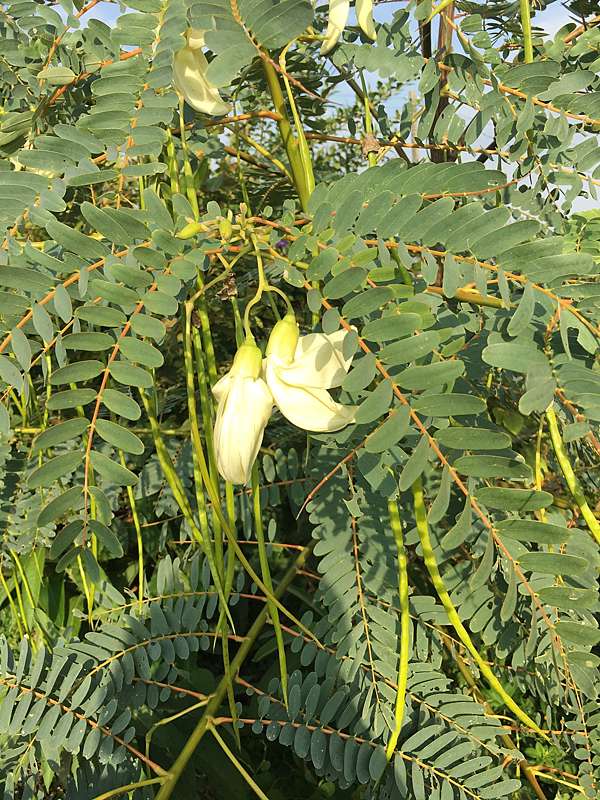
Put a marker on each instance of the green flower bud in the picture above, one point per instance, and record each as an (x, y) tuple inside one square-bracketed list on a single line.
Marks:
[(247, 362), (284, 338)]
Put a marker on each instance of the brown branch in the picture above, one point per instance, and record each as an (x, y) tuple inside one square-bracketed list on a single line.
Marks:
[(48, 297), (58, 39), (82, 75), (581, 29), (93, 421)]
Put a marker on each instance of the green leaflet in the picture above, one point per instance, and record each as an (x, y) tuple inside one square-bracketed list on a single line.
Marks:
[(53, 469), (533, 531), (514, 499), (111, 471)]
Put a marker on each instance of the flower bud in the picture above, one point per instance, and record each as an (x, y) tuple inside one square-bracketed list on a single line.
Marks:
[(225, 229)]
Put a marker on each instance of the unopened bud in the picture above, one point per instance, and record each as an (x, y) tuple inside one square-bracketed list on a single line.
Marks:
[(225, 229), (284, 338)]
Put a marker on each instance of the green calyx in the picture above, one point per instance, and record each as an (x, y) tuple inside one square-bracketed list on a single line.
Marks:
[(284, 338), (247, 362)]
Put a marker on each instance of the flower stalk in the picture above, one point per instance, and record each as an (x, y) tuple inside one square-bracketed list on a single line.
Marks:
[(266, 576)]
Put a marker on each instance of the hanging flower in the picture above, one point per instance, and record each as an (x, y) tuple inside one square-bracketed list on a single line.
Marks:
[(244, 407), (189, 75), (300, 369), (338, 19), (364, 15)]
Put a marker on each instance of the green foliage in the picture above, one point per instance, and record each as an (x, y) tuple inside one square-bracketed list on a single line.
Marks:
[(451, 233)]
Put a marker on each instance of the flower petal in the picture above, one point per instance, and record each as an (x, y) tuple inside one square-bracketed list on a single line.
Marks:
[(364, 16), (338, 17), (242, 416), (195, 38), (189, 68), (308, 408), (319, 361), (222, 386)]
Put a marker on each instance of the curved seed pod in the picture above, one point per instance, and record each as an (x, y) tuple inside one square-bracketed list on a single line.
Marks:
[(189, 75), (338, 17), (364, 15)]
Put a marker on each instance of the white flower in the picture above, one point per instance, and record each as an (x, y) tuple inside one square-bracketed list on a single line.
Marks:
[(299, 370), (364, 15), (189, 75), (245, 405), (338, 19)]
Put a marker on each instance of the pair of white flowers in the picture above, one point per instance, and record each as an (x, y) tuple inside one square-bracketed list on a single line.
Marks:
[(295, 376), (339, 11)]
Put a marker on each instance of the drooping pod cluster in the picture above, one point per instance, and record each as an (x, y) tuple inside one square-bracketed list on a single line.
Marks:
[(295, 376), (339, 11), (189, 74)]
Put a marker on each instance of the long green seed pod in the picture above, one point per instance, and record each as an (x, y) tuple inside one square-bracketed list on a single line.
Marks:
[(463, 634)]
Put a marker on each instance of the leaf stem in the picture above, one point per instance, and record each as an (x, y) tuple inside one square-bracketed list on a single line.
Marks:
[(188, 175), (129, 788), (138, 535), (11, 603), (237, 764), (172, 163), (266, 576), (526, 26), (201, 728)]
